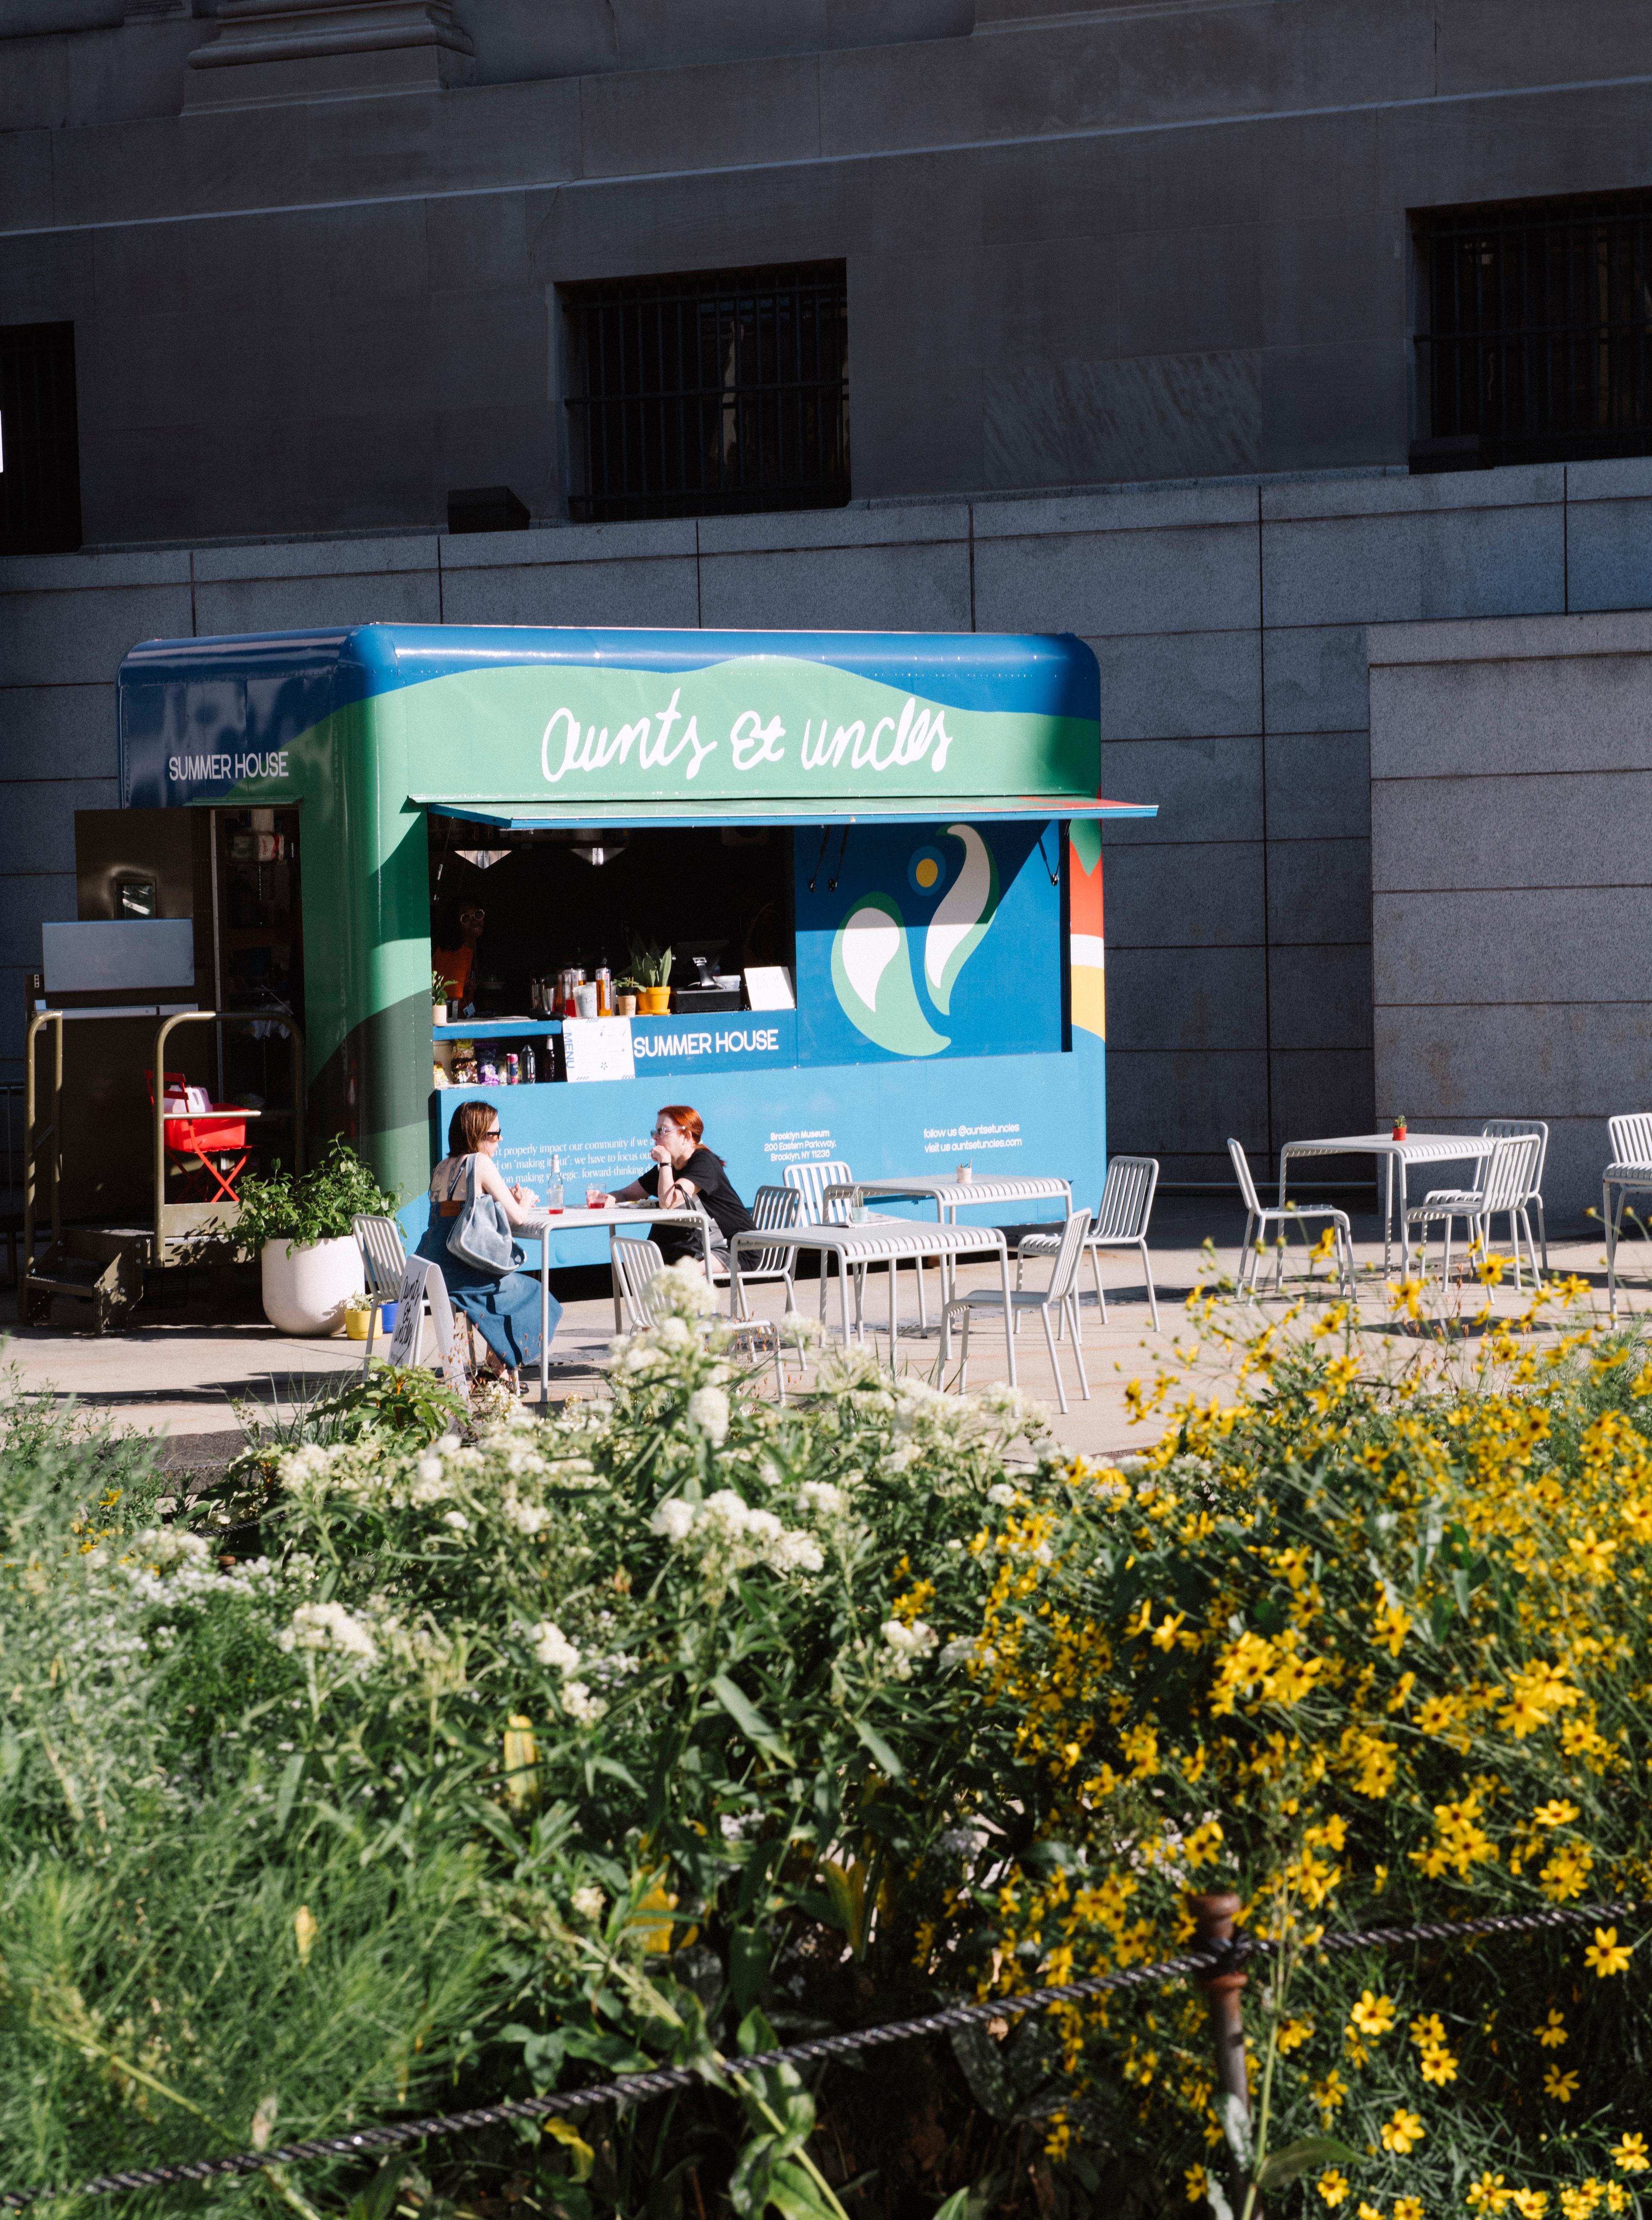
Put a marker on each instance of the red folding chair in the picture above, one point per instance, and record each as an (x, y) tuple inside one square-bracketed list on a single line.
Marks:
[(216, 1133)]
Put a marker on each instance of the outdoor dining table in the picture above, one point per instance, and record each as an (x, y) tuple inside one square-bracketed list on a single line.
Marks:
[(1414, 1149), (894, 1241), (542, 1229), (950, 1195)]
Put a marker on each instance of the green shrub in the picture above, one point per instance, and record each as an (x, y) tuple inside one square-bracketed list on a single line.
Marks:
[(321, 1204)]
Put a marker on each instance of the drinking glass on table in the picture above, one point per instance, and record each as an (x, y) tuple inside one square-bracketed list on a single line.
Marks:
[(596, 1198)]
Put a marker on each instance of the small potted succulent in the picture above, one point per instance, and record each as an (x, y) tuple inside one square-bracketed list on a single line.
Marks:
[(440, 988), (1399, 1126), (651, 966), (625, 998)]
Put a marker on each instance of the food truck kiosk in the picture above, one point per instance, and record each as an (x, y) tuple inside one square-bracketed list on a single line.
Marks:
[(875, 858)]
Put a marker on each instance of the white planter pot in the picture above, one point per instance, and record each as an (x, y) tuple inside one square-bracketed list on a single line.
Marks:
[(305, 1292)]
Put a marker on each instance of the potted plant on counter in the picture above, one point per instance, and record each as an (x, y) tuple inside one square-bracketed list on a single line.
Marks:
[(302, 1229), (440, 988), (651, 967)]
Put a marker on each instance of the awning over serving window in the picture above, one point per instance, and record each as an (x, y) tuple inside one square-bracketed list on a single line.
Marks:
[(631, 816)]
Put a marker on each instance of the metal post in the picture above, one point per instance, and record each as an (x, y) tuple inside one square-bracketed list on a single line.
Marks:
[(1213, 1916)]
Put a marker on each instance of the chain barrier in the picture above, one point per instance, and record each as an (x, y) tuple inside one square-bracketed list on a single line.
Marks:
[(1199, 1962)]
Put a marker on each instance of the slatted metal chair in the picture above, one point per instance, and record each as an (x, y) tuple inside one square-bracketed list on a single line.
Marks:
[(1058, 1300), (637, 1265), (637, 1268), (1514, 1129), (773, 1209), (1120, 1222), (1629, 1173), (811, 1181), (1505, 1180), (1259, 1215), (384, 1260)]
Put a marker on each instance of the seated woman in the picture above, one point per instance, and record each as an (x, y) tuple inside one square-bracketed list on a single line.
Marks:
[(504, 1307), (685, 1170)]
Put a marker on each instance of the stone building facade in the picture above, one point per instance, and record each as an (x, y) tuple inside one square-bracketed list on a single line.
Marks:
[(1133, 296)]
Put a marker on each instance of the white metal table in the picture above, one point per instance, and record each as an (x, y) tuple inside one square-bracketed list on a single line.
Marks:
[(544, 1227), (892, 1241), (950, 1195), (1415, 1148)]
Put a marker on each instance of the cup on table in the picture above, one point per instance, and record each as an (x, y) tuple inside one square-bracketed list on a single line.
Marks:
[(595, 1198), (966, 1171)]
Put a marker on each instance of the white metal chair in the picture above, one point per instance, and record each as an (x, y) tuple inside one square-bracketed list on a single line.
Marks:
[(1505, 1180), (1258, 1215), (1060, 1297), (1629, 1173), (773, 1209), (637, 1267), (1514, 1129), (384, 1260), (1120, 1222), (811, 1181)]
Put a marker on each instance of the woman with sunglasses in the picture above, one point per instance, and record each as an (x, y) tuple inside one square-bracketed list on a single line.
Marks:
[(504, 1307), (684, 1171)]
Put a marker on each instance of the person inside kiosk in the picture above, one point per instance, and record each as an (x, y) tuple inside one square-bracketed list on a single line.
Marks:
[(504, 1306)]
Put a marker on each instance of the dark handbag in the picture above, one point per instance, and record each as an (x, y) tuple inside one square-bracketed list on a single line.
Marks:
[(481, 1235)]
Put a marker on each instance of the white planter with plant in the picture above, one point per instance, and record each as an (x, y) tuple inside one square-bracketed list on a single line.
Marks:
[(303, 1231)]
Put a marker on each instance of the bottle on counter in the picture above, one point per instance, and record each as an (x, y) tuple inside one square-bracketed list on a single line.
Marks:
[(513, 1070), (530, 1068), (553, 1192), (604, 991)]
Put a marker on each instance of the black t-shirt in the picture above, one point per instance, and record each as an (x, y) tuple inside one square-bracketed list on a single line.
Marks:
[(711, 1185)]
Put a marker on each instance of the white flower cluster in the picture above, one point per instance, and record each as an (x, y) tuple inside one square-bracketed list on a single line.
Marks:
[(174, 1566), (582, 1707), (310, 1462), (823, 1499), (328, 1626), (163, 1547), (966, 1649), (1002, 1493), (708, 1411), (551, 1647), (589, 1902), (730, 1535), (907, 1645)]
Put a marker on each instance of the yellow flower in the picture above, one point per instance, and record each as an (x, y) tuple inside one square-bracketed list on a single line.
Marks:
[(1439, 2067), (1552, 2034), (1629, 2155), (1428, 2032), (1606, 1954), (1369, 2212), (1568, 1872), (1403, 2130), (1488, 2194), (1594, 1557), (1562, 2086), (1372, 2015), (1559, 1812), (1332, 2186), (1196, 2179), (1328, 2094), (1408, 2208), (1531, 2203), (1294, 2035), (1616, 2198)]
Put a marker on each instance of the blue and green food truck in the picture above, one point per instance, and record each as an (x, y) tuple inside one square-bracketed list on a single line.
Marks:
[(875, 858)]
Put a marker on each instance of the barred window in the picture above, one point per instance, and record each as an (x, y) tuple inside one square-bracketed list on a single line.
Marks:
[(1538, 338), (709, 395), (40, 441)]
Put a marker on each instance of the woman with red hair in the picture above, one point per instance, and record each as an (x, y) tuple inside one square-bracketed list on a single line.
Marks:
[(685, 1171)]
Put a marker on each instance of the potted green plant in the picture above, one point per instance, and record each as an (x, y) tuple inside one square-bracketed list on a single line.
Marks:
[(626, 992), (440, 988), (303, 1229), (652, 967)]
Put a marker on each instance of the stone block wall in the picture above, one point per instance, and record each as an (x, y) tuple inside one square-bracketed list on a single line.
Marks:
[(1230, 620)]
